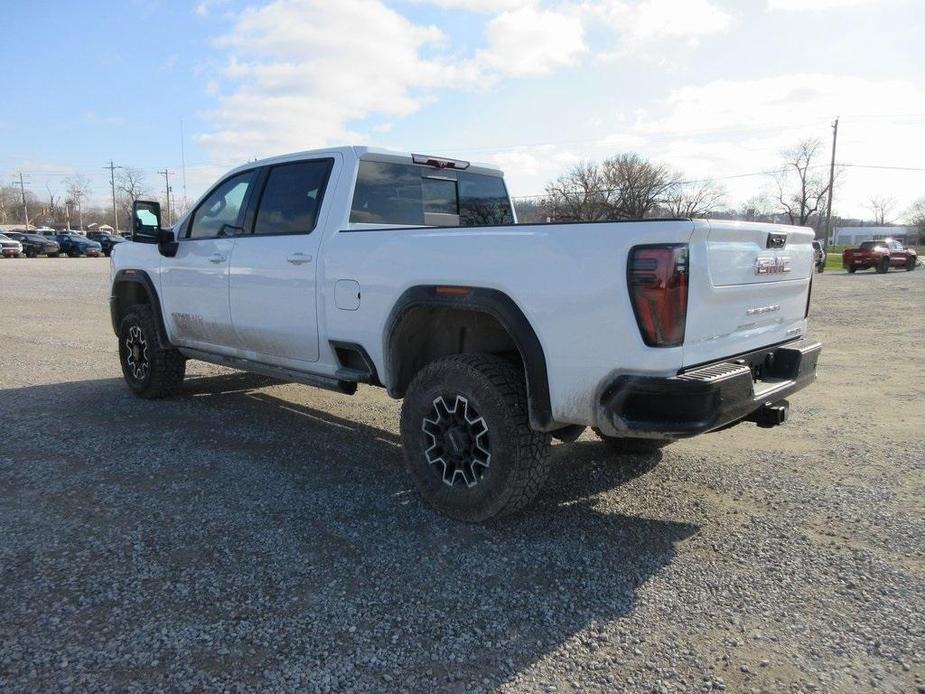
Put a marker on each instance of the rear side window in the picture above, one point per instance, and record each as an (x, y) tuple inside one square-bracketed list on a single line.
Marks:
[(483, 200), (404, 194), (292, 198)]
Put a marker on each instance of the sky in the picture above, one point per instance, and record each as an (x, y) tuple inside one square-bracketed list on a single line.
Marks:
[(711, 88)]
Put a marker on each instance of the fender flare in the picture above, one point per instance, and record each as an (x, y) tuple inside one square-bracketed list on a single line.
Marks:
[(141, 278), (499, 306)]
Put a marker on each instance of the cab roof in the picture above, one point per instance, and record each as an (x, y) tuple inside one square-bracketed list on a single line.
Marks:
[(366, 153)]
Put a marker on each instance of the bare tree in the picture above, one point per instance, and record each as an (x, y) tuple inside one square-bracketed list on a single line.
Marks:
[(694, 199), (578, 196), (916, 216), (132, 182), (10, 204), (758, 208), (882, 207), (801, 188), (132, 187), (635, 185), (78, 191)]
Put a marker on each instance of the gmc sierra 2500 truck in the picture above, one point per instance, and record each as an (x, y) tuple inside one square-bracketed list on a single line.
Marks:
[(355, 265)]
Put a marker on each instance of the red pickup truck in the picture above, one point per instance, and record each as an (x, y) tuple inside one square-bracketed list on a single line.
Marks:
[(881, 255)]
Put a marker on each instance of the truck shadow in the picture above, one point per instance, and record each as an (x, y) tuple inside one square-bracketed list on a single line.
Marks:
[(292, 520)]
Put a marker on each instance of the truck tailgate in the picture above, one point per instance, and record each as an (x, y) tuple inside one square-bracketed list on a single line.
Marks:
[(749, 286)]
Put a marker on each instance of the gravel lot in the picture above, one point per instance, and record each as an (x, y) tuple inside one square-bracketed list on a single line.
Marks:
[(253, 534)]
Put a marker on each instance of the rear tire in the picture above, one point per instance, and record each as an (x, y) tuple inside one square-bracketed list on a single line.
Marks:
[(467, 439), (851, 269), (149, 371), (621, 444), (820, 268), (910, 264), (883, 266)]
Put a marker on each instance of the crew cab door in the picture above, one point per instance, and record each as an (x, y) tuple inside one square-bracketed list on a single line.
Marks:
[(273, 267), (194, 283)]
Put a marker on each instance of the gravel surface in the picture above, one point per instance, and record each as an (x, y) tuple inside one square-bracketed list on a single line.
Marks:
[(252, 534)]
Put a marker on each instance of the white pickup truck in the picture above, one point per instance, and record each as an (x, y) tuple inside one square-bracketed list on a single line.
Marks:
[(355, 265)]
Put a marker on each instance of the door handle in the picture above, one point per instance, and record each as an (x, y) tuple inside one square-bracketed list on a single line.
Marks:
[(299, 258), (217, 258)]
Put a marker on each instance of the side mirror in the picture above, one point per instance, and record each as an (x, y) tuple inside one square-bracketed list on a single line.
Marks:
[(146, 217)]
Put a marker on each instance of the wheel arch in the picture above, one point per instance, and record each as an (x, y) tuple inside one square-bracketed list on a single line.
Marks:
[(131, 287), (473, 317)]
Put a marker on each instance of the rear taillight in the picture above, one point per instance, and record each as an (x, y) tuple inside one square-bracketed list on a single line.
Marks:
[(657, 277)]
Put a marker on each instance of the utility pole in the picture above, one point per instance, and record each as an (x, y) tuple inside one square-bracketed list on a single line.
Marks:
[(166, 174), (25, 207), (828, 206), (183, 164), (112, 181)]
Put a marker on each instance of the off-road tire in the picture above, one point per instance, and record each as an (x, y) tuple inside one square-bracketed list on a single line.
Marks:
[(166, 368), (883, 266), (622, 444), (494, 390)]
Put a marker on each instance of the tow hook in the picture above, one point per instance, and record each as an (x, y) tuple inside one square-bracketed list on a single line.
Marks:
[(770, 414)]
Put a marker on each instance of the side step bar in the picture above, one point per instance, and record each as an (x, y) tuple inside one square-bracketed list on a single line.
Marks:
[(337, 385)]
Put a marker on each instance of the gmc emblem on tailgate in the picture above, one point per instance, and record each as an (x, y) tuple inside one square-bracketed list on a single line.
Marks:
[(772, 265)]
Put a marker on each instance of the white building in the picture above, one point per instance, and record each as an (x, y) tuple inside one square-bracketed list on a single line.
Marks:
[(852, 236)]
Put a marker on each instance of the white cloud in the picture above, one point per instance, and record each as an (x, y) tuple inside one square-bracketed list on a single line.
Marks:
[(726, 127), (651, 20), (204, 7), (529, 41), (303, 69), (814, 5), (298, 72), (488, 6)]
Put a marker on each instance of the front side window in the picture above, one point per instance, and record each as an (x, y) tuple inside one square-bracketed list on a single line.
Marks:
[(220, 214), (291, 198), (405, 194)]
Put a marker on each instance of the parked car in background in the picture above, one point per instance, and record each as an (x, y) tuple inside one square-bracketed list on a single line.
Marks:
[(106, 240), (819, 256), (881, 255), (35, 244), (9, 248), (76, 245)]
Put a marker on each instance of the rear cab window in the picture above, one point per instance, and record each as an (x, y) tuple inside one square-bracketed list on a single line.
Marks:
[(396, 194)]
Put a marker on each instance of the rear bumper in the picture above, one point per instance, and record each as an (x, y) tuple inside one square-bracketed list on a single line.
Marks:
[(749, 387)]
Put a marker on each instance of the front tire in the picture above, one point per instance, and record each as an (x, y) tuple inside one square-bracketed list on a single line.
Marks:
[(851, 269), (883, 266), (910, 264), (149, 371), (467, 439), (820, 268), (625, 444)]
